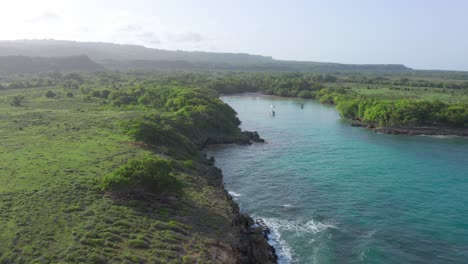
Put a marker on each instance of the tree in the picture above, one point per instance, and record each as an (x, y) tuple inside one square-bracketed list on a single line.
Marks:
[(151, 173)]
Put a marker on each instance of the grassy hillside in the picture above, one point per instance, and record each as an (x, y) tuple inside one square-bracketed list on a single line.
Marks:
[(134, 57), (22, 64), (53, 208)]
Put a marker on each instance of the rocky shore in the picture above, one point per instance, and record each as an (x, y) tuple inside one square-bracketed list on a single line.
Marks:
[(245, 138), (250, 244), (415, 129)]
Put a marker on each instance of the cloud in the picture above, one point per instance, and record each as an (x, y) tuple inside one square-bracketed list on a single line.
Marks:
[(149, 37), (186, 37), (44, 17)]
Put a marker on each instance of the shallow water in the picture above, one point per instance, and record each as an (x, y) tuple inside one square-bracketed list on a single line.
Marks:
[(333, 193)]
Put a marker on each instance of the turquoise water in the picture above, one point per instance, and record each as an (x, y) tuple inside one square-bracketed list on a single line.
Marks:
[(333, 193)]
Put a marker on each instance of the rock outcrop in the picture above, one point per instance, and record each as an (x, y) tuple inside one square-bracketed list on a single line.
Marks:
[(251, 239)]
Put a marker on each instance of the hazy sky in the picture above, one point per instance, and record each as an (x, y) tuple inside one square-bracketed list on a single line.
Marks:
[(421, 34)]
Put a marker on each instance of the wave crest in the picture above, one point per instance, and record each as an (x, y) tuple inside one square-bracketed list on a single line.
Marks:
[(234, 194), (277, 226)]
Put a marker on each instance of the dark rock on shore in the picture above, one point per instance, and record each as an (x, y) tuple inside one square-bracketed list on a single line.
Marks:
[(245, 138), (254, 244), (414, 129), (428, 130), (250, 241), (253, 136)]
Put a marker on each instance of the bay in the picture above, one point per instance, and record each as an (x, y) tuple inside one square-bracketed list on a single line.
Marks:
[(333, 193)]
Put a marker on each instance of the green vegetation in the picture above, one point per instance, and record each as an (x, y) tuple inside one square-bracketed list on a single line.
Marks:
[(17, 99), (151, 173), (98, 181), (381, 100), (106, 168), (50, 94)]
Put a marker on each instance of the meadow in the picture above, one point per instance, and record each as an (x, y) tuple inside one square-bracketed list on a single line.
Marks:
[(54, 153)]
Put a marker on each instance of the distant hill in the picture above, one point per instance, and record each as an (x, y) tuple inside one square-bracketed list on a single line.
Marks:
[(23, 64), (127, 57)]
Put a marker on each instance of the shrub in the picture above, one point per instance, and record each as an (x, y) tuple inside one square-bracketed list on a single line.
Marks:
[(151, 173), (16, 101), (105, 94), (96, 94), (50, 94), (138, 243), (306, 95), (70, 94)]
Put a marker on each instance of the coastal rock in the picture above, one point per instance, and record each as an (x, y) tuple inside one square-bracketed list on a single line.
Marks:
[(253, 136), (249, 244), (245, 138), (424, 130), (254, 244), (249, 239)]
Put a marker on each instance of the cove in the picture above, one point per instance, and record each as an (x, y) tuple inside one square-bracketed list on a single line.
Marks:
[(333, 193)]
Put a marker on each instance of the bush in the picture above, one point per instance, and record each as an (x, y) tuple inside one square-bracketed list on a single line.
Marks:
[(50, 94), (138, 243), (105, 94), (306, 95), (70, 94), (151, 173), (96, 94), (16, 101)]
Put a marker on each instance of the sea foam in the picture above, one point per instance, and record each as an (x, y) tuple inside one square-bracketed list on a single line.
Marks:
[(234, 194), (278, 226)]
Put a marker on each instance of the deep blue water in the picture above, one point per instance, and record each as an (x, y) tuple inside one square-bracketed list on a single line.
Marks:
[(333, 193)]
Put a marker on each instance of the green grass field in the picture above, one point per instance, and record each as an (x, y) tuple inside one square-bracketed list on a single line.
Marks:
[(53, 153)]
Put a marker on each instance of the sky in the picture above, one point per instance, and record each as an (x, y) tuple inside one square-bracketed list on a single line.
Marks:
[(430, 34)]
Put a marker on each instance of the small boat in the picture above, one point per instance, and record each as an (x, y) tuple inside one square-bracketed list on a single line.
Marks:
[(272, 113)]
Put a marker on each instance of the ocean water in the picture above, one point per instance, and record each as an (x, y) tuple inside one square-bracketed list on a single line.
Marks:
[(333, 193)]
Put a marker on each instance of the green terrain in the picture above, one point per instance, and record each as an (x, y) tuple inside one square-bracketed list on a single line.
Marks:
[(75, 187), (106, 167)]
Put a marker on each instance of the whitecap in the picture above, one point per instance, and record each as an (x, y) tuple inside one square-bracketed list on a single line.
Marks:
[(277, 226), (283, 250), (234, 194), (300, 226), (287, 205)]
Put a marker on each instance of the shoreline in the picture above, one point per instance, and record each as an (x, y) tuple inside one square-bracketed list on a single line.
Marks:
[(414, 130), (427, 131), (252, 245), (392, 130)]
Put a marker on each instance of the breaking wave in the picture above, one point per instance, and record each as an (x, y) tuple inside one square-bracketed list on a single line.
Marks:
[(234, 194), (278, 226)]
